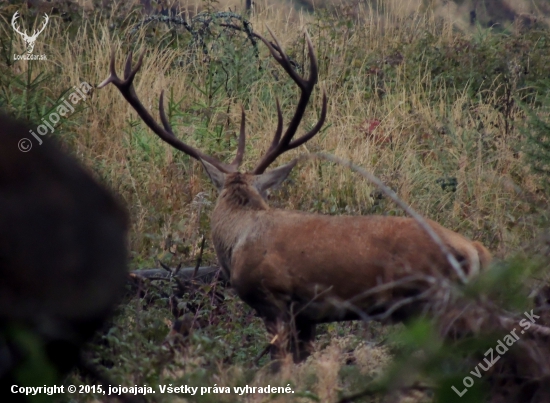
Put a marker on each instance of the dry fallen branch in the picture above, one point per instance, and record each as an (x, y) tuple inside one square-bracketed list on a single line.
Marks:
[(200, 26), (202, 274)]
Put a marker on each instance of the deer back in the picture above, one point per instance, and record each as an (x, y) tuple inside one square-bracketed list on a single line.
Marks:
[(277, 257)]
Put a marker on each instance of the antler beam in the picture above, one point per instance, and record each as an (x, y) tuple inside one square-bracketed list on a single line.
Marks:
[(280, 145), (281, 142), (165, 131)]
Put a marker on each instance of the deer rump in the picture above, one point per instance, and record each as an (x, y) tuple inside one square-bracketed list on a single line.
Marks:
[(320, 268)]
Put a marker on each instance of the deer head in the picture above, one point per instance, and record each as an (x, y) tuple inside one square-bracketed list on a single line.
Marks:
[(219, 172), (29, 40)]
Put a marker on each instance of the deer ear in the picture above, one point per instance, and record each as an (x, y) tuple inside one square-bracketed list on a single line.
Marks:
[(216, 176), (272, 178)]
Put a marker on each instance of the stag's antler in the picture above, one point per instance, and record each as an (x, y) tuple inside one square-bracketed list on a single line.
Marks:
[(127, 90), (280, 145)]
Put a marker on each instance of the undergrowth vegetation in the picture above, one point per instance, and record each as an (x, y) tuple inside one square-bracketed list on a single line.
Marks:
[(455, 121)]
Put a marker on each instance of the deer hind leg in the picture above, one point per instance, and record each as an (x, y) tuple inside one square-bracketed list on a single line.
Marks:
[(302, 339)]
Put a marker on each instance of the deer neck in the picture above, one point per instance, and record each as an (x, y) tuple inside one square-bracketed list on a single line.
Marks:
[(236, 216)]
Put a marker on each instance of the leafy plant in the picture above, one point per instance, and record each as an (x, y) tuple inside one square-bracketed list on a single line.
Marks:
[(537, 134)]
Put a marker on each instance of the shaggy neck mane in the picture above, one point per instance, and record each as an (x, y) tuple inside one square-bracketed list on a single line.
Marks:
[(238, 193)]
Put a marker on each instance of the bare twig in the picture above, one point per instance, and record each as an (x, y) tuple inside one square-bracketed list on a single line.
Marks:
[(169, 270), (534, 328), (393, 285), (402, 302), (176, 271), (266, 349), (199, 26), (199, 259)]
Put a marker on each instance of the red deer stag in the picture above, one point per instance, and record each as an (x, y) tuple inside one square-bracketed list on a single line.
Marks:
[(300, 269)]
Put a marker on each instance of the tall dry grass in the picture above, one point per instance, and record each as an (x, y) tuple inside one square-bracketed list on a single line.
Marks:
[(411, 133), (165, 193)]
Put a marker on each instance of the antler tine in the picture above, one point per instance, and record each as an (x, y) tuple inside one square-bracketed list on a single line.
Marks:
[(163, 117), (301, 140), (242, 138), (285, 143), (166, 134), (282, 58), (313, 72), (113, 77), (279, 130), (128, 76)]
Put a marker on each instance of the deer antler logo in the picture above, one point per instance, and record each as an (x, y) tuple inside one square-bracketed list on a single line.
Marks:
[(29, 40)]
